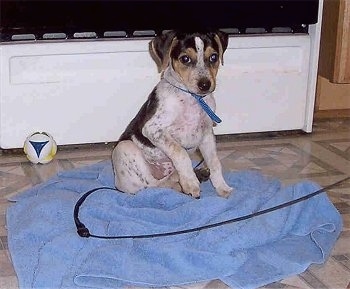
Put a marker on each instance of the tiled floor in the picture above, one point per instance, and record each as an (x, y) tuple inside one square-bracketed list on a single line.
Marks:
[(323, 156)]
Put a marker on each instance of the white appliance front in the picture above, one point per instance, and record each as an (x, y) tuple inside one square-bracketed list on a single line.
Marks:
[(88, 91)]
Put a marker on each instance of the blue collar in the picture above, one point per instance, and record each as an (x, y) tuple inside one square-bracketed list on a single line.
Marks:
[(201, 102)]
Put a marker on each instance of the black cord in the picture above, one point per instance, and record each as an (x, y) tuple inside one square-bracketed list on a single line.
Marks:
[(197, 165), (81, 229), (84, 232)]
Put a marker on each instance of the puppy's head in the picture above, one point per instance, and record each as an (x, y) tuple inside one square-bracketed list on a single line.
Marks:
[(194, 57)]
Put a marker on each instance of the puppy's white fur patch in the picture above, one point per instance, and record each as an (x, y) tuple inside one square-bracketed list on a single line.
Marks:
[(200, 51)]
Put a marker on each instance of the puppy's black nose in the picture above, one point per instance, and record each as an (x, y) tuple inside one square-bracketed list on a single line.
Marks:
[(204, 84)]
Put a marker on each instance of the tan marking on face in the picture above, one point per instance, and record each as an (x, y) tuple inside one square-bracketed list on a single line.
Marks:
[(186, 71), (213, 67)]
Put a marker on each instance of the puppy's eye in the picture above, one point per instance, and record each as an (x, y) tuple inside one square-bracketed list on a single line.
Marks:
[(185, 59), (213, 58)]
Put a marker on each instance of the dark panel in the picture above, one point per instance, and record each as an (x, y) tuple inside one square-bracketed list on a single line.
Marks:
[(25, 16)]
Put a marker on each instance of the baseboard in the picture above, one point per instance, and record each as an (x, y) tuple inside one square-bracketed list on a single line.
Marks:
[(332, 114), (332, 96)]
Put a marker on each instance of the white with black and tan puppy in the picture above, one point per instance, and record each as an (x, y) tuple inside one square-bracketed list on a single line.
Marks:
[(153, 150)]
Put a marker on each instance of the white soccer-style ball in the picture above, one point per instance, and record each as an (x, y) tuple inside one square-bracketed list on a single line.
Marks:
[(40, 148)]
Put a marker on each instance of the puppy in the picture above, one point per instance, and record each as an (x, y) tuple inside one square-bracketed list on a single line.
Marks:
[(153, 150)]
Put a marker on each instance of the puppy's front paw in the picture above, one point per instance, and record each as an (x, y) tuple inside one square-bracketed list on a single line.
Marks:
[(191, 188), (224, 191)]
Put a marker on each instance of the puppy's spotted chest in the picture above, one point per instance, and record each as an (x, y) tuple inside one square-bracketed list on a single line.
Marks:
[(191, 121), (171, 121)]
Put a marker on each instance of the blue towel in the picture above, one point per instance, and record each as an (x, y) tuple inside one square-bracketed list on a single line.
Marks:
[(47, 252)]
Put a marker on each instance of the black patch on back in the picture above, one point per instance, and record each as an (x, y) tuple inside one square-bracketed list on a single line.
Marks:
[(145, 113)]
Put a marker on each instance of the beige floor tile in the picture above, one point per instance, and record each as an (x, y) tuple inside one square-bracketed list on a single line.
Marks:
[(6, 268), (332, 274), (8, 282)]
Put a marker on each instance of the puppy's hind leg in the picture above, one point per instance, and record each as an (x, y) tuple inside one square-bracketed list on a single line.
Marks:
[(131, 171)]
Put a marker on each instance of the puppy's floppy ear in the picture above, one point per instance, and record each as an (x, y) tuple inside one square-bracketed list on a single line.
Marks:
[(222, 40), (160, 48)]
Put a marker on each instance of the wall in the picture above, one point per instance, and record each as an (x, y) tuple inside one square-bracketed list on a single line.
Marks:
[(333, 86)]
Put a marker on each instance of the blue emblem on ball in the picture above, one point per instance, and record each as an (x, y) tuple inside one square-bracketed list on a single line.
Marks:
[(38, 146)]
